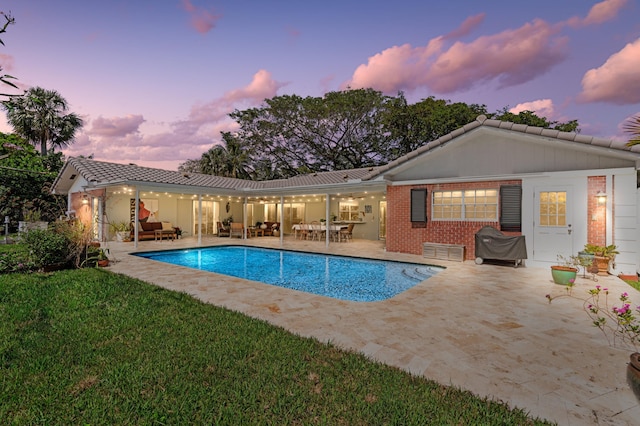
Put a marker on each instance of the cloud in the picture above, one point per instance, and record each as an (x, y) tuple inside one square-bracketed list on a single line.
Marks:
[(6, 62), (599, 13), (509, 58), (202, 20), (469, 24), (262, 86), (116, 126), (541, 107), (617, 81)]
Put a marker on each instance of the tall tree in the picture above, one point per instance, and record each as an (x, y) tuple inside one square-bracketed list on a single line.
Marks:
[(341, 130), (40, 116), (413, 125), (632, 128)]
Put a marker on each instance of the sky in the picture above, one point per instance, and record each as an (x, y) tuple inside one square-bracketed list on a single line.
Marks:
[(155, 80)]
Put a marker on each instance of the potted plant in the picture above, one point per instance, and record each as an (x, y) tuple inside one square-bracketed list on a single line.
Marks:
[(619, 324), (603, 256), (564, 273), (103, 260), (122, 231), (32, 220)]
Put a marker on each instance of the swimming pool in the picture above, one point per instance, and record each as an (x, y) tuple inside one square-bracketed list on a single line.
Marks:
[(340, 277)]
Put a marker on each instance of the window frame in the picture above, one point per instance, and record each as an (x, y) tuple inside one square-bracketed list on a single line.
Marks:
[(458, 202)]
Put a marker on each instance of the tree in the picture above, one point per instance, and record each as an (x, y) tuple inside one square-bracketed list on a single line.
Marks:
[(632, 128), (40, 117), (4, 78), (25, 180), (342, 130), (229, 160), (412, 125), (529, 118)]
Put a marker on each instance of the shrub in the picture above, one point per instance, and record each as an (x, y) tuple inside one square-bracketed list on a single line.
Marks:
[(16, 260), (47, 247)]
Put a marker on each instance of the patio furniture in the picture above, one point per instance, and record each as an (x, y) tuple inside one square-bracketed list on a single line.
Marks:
[(222, 231), (346, 234), (317, 231), (237, 230)]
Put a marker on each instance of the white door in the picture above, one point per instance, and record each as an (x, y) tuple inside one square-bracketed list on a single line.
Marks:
[(552, 230)]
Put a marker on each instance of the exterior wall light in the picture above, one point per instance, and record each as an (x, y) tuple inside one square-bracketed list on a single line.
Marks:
[(602, 198), (85, 199)]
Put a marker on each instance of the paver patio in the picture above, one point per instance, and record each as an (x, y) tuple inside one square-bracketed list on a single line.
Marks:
[(485, 328)]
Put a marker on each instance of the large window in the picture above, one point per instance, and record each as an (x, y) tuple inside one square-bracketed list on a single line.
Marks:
[(472, 204), (348, 210), (553, 208)]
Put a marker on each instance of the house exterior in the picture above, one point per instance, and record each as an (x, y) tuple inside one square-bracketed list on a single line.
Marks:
[(560, 190)]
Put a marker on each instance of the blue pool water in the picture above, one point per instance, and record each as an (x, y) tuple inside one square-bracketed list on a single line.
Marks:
[(340, 277)]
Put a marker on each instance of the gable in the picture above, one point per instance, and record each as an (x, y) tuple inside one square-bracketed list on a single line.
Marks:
[(487, 151)]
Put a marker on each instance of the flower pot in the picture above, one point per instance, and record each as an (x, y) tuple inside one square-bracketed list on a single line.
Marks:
[(628, 277), (603, 264), (103, 262), (563, 275), (633, 374)]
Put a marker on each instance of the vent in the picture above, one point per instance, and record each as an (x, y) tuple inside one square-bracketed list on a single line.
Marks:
[(453, 252), (511, 208)]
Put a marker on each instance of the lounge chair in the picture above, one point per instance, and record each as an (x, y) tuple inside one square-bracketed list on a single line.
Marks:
[(222, 231), (237, 230)]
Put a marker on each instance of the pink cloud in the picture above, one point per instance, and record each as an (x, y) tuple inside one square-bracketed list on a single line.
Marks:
[(542, 108), (262, 86), (600, 12), (510, 58), (469, 24), (116, 126), (201, 20), (617, 81), (6, 62)]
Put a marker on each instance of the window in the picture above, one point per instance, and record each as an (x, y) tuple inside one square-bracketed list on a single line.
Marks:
[(472, 204), (553, 208), (348, 210)]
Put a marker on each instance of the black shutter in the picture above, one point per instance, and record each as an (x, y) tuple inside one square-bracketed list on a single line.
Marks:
[(419, 205), (511, 208)]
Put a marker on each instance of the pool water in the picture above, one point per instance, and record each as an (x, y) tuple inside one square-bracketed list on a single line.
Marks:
[(340, 277)]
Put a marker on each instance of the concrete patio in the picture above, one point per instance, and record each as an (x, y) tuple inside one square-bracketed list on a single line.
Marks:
[(485, 328)]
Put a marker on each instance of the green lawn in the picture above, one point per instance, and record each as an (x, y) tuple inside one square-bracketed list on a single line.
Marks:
[(92, 347)]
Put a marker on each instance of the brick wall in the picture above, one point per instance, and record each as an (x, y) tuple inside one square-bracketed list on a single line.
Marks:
[(405, 237)]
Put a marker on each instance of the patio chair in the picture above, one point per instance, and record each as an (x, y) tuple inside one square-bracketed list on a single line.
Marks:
[(303, 232), (236, 230), (316, 231), (222, 231), (346, 234)]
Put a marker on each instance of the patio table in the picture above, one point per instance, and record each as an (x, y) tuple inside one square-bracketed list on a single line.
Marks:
[(312, 227)]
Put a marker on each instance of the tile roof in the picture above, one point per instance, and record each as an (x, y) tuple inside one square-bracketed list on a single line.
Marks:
[(104, 173), (481, 121)]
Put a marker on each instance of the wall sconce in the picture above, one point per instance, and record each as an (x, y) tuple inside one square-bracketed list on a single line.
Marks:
[(602, 198), (85, 199)]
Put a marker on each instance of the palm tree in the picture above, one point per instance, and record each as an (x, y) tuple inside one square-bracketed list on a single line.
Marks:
[(40, 117), (632, 128)]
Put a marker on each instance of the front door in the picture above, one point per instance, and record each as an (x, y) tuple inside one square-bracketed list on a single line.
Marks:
[(552, 233)]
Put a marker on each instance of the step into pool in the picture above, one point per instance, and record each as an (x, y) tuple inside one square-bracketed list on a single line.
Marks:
[(340, 277)]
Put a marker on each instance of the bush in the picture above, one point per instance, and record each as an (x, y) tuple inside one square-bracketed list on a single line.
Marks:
[(47, 247), (16, 260)]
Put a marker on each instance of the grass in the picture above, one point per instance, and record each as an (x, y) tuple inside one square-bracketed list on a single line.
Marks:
[(92, 347)]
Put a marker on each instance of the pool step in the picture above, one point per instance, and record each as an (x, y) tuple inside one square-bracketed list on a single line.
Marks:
[(418, 274)]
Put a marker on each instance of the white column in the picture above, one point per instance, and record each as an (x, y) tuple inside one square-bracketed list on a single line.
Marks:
[(199, 219), (281, 220), (244, 219), (136, 221), (327, 220)]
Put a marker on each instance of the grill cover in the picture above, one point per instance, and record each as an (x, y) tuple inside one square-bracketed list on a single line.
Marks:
[(493, 244)]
